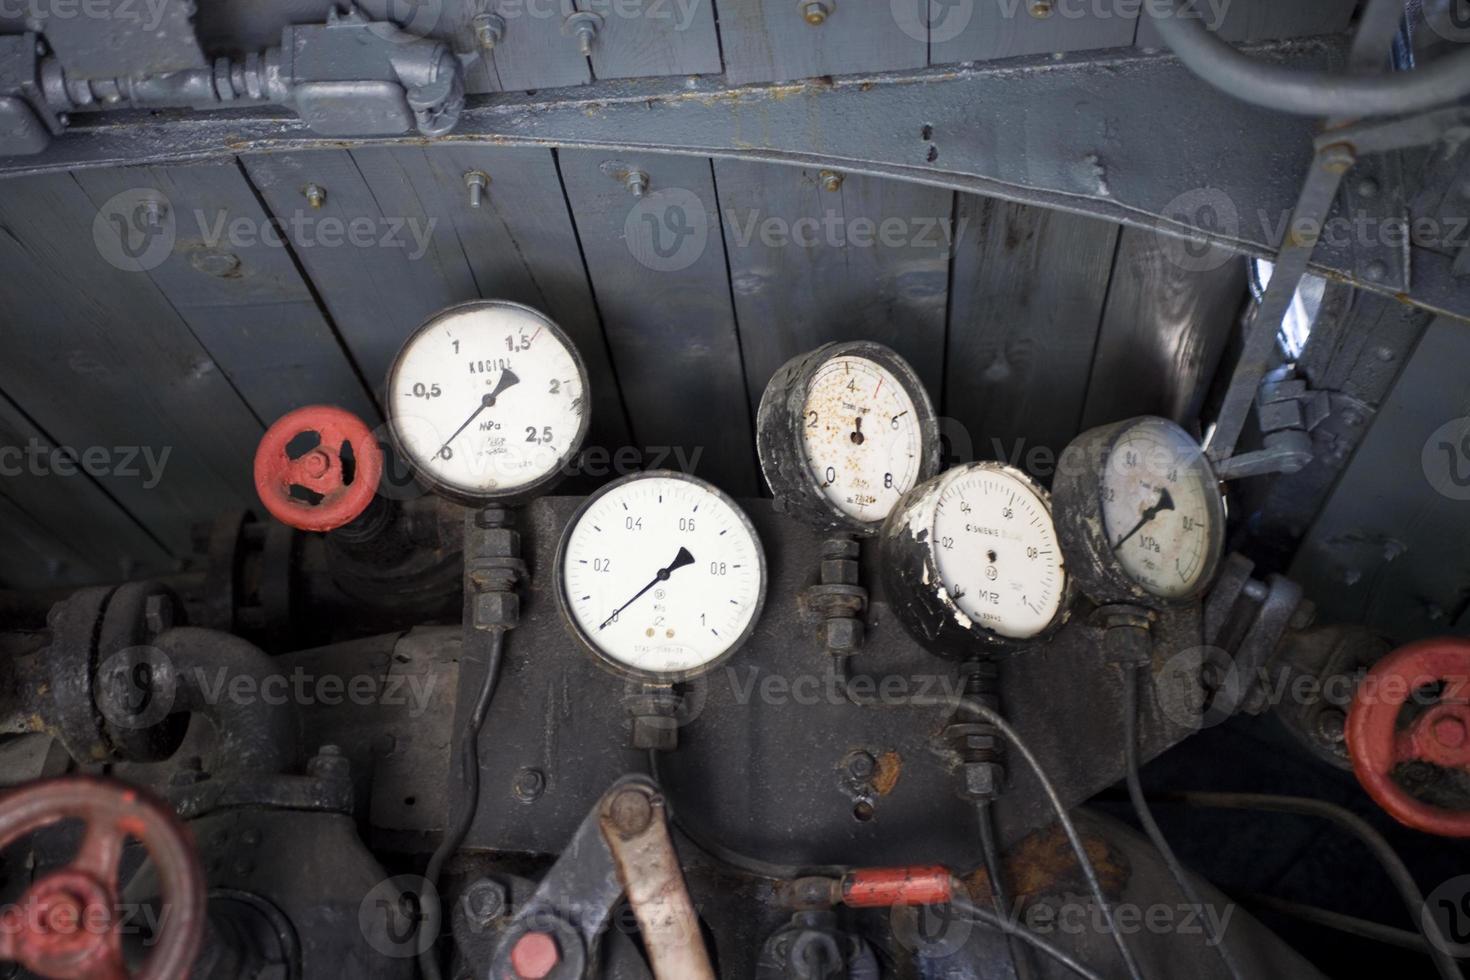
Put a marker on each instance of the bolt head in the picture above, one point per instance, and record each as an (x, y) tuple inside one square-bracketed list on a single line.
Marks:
[(1331, 725), (980, 780), (815, 12), (485, 901), (861, 765), (1376, 271), (631, 812), (528, 785), (494, 610), (1450, 732), (843, 635), (830, 180)]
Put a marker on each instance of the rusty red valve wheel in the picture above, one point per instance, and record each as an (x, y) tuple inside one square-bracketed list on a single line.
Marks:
[(68, 924), (1413, 707), (317, 468)]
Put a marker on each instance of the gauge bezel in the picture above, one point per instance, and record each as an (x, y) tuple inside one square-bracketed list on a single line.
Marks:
[(781, 443), (610, 662), (459, 494), (909, 569), (1077, 494)]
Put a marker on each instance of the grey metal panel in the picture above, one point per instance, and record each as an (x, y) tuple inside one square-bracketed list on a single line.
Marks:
[(377, 293), (59, 527), (655, 37), (1263, 20), (869, 260), (520, 245), (767, 40), (1026, 301), (98, 357), (658, 271), (1389, 548), (1163, 332), (990, 29), (231, 278)]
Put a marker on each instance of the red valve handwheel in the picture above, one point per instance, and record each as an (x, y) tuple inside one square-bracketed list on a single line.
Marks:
[(66, 926), (1381, 737), (317, 468)]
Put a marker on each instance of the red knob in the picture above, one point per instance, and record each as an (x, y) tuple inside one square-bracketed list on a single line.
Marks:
[(317, 468), (1414, 708)]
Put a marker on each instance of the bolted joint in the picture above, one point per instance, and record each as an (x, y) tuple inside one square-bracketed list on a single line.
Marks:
[(489, 29), (485, 901), (476, 181), (839, 571), (584, 25), (830, 180), (842, 635), (496, 610), (980, 781), (637, 183), (315, 195), (815, 12)]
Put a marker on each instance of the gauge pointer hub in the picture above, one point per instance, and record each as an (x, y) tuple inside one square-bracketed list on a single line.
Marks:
[(1166, 502), (680, 560), (508, 378)]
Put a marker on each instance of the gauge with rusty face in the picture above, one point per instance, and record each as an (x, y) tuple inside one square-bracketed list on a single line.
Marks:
[(1140, 512), (843, 432), (971, 561)]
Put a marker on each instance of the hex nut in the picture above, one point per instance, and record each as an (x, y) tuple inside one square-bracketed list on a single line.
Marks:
[(843, 635), (496, 610), (485, 901), (657, 732), (839, 571), (981, 780)]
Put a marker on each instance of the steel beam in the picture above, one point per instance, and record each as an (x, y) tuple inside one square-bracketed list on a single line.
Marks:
[(1129, 136)]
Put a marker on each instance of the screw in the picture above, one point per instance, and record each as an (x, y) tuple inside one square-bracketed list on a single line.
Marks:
[(1040, 9), (489, 29), (534, 956), (476, 181), (1331, 724), (153, 212), (584, 25), (528, 785), (1385, 354), (485, 900), (1338, 158), (636, 182), (316, 196), (1376, 271), (815, 12), (861, 765), (631, 812), (830, 180)]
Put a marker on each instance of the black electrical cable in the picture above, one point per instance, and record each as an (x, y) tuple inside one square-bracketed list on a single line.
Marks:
[(1408, 889), (1005, 925), (431, 917), (1132, 678), (995, 871), (1350, 924)]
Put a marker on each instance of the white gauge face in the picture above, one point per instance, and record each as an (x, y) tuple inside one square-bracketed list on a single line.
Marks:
[(487, 399), (862, 437), (996, 550), (662, 575), (1161, 508)]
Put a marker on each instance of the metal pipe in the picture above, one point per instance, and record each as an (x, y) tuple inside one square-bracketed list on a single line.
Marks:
[(1310, 93)]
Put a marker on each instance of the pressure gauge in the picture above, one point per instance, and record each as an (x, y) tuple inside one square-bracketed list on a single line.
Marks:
[(971, 560), (1140, 512), (843, 432), (661, 575), (488, 401)]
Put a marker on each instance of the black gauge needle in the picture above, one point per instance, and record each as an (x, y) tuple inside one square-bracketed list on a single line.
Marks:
[(1166, 502), (507, 378), (680, 560), (857, 433)]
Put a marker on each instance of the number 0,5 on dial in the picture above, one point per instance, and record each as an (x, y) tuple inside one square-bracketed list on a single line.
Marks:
[(661, 575), (487, 401)]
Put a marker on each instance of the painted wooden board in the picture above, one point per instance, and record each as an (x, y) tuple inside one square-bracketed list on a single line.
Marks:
[(533, 54), (58, 525), (1388, 548), (808, 266), (1163, 333), (1026, 302), (767, 40), (233, 280), (654, 37), (520, 245), (984, 30), (1262, 20), (657, 267), (98, 357)]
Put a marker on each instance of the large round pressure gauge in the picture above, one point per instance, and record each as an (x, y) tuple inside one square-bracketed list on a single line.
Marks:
[(488, 401), (971, 560), (1140, 512), (661, 575), (843, 432)]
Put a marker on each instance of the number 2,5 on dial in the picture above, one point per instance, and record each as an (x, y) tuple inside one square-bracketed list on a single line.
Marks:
[(487, 401)]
